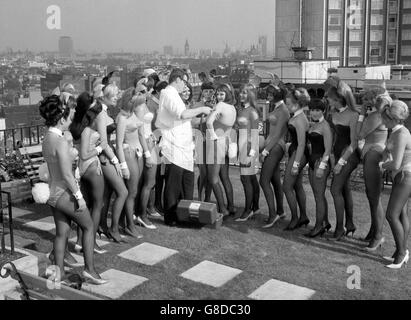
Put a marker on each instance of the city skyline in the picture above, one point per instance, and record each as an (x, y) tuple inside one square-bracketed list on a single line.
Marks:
[(112, 26)]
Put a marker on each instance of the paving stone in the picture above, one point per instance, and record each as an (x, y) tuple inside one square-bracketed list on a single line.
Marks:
[(278, 290), (20, 213), (210, 273), (148, 254), (45, 224), (119, 283)]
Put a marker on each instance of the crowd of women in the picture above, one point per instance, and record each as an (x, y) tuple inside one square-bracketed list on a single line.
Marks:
[(130, 174)]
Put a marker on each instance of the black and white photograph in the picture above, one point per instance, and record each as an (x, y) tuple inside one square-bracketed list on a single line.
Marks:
[(205, 156)]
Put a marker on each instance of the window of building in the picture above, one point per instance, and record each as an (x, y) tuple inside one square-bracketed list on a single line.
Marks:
[(406, 19), (392, 36), (355, 52), (407, 4), (335, 4), (406, 34), (377, 19), (393, 6), (392, 52), (355, 35), (334, 35), (375, 52), (333, 51), (406, 51), (376, 35), (392, 22), (377, 4), (334, 20)]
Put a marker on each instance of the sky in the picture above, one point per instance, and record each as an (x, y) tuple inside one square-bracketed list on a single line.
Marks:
[(137, 25)]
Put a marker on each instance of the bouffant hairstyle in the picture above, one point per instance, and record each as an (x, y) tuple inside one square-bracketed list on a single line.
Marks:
[(52, 109), (229, 93), (175, 74), (279, 92), (318, 104), (160, 86), (251, 94), (300, 96), (333, 93), (190, 87), (85, 114), (398, 110)]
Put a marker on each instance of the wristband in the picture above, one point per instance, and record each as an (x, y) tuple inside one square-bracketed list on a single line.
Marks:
[(342, 162), (323, 165), (78, 195), (265, 153), (114, 160), (325, 159), (380, 165), (361, 118), (123, 165), (296, 165), (147, 154), (99, 150), (252, 153), (213, 136)]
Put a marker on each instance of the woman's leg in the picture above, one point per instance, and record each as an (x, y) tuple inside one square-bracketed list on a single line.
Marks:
[(60, 241), (116, 184), (406, 224), (300, 194), (228, 187), (319, 185), (67, 210), (213, 171), (347, 194), (373, 187), (159, 189), (134, 165), (400, 194), (248, 192), (149, 182), (96, 190), (341, 192), (256, 193), (278, 188)]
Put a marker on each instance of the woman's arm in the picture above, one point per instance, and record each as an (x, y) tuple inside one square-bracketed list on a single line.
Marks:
[(102, 130), (210, 124), (85, 153), (254, 133), (353, 136), (328, 142), (65, 164), (301, 129), (121, 129), (275, 135), (370, 125), (397, 153)]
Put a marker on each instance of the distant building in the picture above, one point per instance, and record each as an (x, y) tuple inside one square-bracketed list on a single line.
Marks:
[(262, 46), (66, 47), (168, 50), (49, 83), (357, 32), (186, 49)]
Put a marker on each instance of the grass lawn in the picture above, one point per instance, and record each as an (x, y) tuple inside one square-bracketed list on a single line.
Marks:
[(318, 264)]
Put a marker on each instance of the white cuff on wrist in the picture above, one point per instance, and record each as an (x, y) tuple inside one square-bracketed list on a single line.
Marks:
[(99, 150), (342, 162), (147, 154), (323, 165), (114, 160), (123, 165), (252, 153), (296, 164), (78, 195), (361, 118), (265, 153)]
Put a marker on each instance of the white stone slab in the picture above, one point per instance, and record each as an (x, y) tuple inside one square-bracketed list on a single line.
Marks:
[(278, 290), (119, 284), (19, 213), (148, 254), (210, 273), (45, 224)]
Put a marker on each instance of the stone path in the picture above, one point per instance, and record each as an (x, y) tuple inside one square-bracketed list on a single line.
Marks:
[(206, 272)]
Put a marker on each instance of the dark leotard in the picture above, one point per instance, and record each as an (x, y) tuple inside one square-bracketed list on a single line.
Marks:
[(294, 141)]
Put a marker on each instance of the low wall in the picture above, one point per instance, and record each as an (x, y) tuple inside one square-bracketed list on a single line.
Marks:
[(20, 190)]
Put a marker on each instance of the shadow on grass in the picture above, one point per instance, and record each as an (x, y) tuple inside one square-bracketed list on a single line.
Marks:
[(348, 245)]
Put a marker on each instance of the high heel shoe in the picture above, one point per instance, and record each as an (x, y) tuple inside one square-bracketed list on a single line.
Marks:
[(319, 233), (145, 224), (116, 238), (338, 235), (291, 227), (90, 279), (352, 231), (391, 259), (376, 246), (399, 265), (78, 248), (271, 222), (328, 227), (105, 232), (303, 223)]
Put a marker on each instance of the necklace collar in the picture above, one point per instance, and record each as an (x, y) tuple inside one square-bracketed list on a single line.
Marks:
[(342, 109), (298, 112), (155, 99), (246, 105), (319, 120), (277, 104), (397, 127), (104, 107), (56, 131)]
